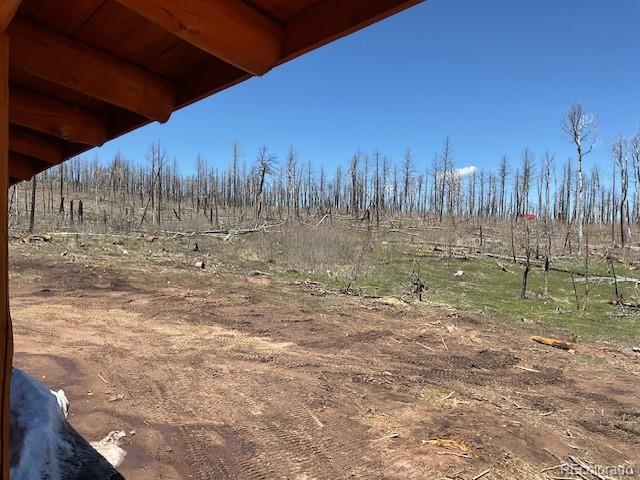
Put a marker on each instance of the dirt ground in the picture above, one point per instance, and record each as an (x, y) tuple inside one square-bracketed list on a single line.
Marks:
[(228, 376)]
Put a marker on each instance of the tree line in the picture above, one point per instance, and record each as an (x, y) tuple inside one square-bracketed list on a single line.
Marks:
[(123, 195)]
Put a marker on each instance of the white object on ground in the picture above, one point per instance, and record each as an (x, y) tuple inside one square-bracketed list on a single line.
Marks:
[(109, 447), (43, 446), (63, 402), (36, 422), (459, 273)]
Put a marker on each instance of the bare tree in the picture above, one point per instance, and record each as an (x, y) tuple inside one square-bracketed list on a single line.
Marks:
[(353, 169), (546, 213), (61, 209), (407, 172), (264, 166), (291, 166), (447, 165), (503, 173), (635, 159), (619, 150), (235, 159), (32, 214), (581, 128)]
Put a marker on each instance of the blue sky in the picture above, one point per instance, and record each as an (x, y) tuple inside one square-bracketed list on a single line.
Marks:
[(494, 75)]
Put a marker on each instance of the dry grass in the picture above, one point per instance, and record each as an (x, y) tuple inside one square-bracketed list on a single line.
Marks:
[(313, 250)]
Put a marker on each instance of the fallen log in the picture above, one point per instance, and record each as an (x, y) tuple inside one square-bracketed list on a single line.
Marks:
[(552, 342), (610, 280)]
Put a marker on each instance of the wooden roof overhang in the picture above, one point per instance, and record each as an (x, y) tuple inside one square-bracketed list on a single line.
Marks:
[(77, 73), (85, 71)]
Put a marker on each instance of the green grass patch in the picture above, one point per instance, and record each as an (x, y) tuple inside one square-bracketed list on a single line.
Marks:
[(485, 289)]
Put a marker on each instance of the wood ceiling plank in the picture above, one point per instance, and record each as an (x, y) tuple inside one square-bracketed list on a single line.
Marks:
[(329, 20), (24, 168), (28, 8), (49, 89), (8, 9), (56, 118), (146, 44), (66, 16), (216, 74), (67, 62), (109, 26), (181, 60), (281, 10), (35, 145), (228, 29)]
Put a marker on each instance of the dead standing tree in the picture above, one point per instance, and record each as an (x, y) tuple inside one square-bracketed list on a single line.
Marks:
[(264, 167), (582, 128), (446, 165), (353, 168), (157, 158), (407, 175), (635, 159), (32, 214), (619, 150), (547, 164), (527, 264), (292, 163)]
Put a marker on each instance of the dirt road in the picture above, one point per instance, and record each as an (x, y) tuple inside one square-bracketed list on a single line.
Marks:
[(229, 377)]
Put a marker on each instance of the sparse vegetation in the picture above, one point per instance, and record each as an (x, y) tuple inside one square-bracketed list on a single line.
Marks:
[(385, 262)]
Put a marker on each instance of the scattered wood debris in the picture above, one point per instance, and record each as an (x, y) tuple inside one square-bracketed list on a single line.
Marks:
[(502, 267), (522, 367), (450, 443), (317, 420), (391, 435), (449, 396), (424, 346), (482, 474), (36, 238)]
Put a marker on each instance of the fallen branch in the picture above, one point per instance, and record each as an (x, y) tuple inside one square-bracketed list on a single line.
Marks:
[(521, 367), (482, 474), (224, 232), (586, 467)]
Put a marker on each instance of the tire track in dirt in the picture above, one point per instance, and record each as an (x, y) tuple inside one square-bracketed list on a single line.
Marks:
[(284, 443), (199, 455)]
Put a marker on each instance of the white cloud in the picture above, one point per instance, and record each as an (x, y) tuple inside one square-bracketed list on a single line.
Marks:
[(464, 171)]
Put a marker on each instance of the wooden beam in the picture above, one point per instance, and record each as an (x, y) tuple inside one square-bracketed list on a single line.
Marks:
[(211, 79), (8, 9), (22, 167), (34, 145), (228, 29), (6, 332), (56, 118), (329, 20), (85, 69)]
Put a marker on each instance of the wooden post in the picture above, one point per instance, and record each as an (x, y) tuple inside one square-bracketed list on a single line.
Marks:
[(6, 334)]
